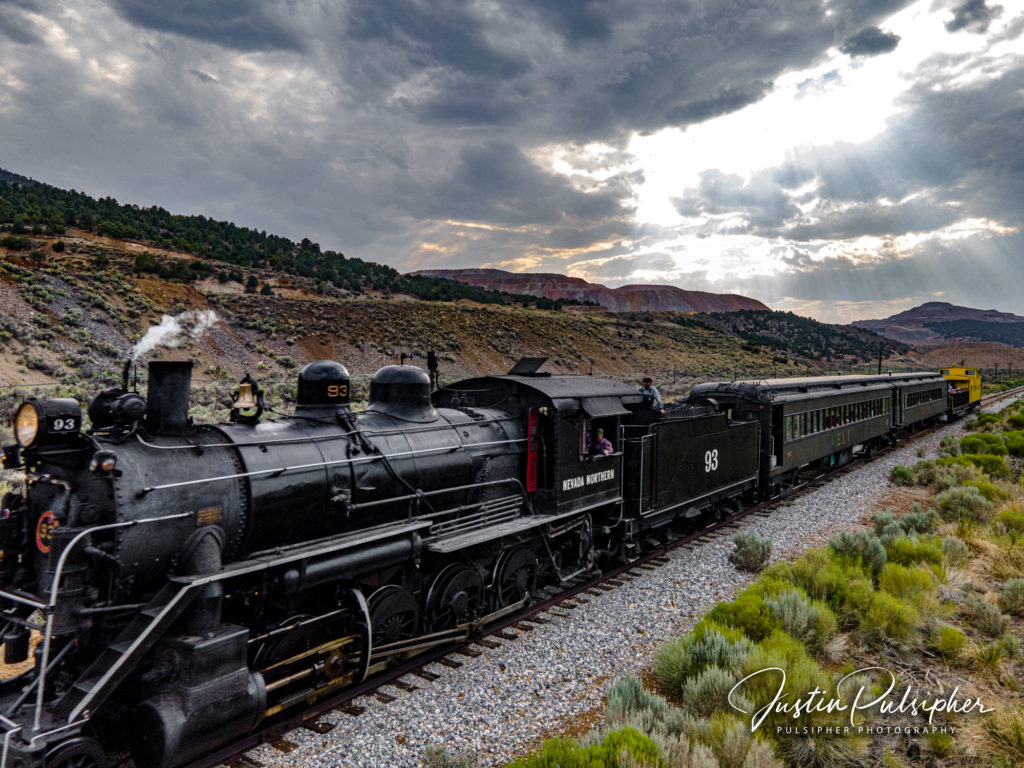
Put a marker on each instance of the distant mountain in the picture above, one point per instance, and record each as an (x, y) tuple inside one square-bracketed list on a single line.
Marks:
[(628, 298), (937, 322)]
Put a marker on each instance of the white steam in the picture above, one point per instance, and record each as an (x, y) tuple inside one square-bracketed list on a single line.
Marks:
[(172, 331)]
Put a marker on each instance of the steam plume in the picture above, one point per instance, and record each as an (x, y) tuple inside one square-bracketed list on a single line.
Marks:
[(172, 331)]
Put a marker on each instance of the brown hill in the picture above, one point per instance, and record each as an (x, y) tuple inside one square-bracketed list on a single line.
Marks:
[(628, 298), (912, 326)]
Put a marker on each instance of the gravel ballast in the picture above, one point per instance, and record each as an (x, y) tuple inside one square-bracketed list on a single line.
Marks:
[(552, 679)]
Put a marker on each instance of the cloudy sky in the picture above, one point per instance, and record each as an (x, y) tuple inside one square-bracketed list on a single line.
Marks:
[(843, 159)]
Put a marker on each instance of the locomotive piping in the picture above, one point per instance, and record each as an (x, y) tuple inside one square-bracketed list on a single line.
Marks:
[(316, 465), (312, 438)]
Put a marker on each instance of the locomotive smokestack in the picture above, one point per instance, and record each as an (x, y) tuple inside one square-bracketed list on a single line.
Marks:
[(167, 398)]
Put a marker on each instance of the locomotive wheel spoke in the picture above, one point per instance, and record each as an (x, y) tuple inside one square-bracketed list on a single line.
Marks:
[(394, 615), (455, 597), (514, 575)]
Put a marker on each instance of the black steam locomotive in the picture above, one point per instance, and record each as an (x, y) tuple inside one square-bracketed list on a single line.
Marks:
[(191, 581)]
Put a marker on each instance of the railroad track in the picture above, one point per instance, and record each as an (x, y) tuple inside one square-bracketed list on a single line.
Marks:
[(559, 605)]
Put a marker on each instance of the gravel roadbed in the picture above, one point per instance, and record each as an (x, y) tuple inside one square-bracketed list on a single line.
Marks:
[(498, 705)]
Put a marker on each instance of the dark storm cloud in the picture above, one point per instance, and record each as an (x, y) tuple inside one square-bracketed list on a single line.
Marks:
[(443, 34), (870, 41), (974, 16), (15, 27), (366, 125), (579, 21), (239, 24), (494, 183)]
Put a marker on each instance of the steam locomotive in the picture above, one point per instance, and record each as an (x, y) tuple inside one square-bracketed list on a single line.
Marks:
[(189, 582)]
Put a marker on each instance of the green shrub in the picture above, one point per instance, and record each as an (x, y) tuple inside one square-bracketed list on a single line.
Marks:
[(955, 552), (841, 584), (889, 617), (707, 691), (901, 475), (983, 420), (747, 613), (990, 491), (949, 445), (911, 585), (984, 616), (751, 553), (924, 471), (983, 443), (919, 521), (948, 642), (1011, 598), (882, 520), (728, 738), (1015, 440), (1015, 421), (861, 547), (809, 621), (888, 527), (567, 753), (993, 465), (958, 503), (925, 549), (678, 660), (1009, 521)]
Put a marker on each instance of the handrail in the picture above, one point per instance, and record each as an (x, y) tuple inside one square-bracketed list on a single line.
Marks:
[(55, 590)]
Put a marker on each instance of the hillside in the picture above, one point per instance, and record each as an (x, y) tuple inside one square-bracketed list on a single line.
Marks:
[(69, 317), (936, 322), (628, 298), (805, 337), (32, 208)]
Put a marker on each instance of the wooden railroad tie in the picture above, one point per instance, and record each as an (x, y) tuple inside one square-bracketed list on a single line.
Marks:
[(318, 726), (386, 698), (450, 663), (488, 643), (283, 745), (504, 634), (353, 709), (470, 652), (428, 676), (404, 686)]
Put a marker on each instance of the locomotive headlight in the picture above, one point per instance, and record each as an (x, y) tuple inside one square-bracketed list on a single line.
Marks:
[(26, 424), (37, 421)]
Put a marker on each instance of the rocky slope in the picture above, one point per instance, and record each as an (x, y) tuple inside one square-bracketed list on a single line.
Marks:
[(628, 298)]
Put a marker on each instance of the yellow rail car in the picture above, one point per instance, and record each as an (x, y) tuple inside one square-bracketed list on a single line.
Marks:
[(964, 388)]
